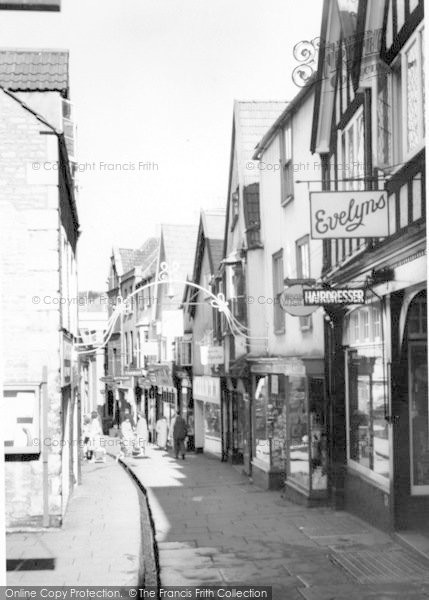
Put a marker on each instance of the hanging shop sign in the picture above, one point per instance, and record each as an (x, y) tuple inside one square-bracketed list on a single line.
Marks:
[(21, 424), (212, 355), (66, 361), (206, 388), (292, 302), (134, 372), (360, 214), (322, 297)]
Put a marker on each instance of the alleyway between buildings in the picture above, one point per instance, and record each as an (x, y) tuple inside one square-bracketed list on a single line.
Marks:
[(214, 527)]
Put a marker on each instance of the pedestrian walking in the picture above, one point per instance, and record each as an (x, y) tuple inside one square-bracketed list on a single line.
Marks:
[(180, 430), (162, 433), (142, 434)]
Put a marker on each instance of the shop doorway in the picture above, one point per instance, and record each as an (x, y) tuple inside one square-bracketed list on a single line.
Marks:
[(412, 428), (233, 426)]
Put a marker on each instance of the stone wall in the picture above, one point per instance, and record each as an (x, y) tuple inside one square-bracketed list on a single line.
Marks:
[(29, 255)]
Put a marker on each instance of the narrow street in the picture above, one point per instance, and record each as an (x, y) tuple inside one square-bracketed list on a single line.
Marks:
[(213, 527), (213, 245)]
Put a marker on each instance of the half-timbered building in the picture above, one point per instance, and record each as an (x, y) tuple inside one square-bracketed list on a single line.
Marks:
[(369, 130)]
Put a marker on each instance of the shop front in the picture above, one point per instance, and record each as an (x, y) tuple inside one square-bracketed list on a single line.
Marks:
[(385, 413), (289, 427), (208, 422)]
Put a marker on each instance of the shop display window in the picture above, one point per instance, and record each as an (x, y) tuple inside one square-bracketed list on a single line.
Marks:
[(419, 424), (368, 439), (277, 421), (262, 450), (212, 419), (299, 440), (290, 435), (307, 460), (270, 421)]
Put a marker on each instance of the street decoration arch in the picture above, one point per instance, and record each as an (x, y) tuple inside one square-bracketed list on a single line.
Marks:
[(166, 276)]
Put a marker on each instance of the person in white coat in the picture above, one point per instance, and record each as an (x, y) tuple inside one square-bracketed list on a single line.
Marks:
[(162, 433)]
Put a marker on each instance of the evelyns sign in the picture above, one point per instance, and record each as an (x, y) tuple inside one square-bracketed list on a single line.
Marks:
[(349, 214)]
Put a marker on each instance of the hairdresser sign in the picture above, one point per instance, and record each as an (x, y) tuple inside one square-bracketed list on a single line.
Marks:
[(349, 214)]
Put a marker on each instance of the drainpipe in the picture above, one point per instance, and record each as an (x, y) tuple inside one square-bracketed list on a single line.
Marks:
[(45, 449)]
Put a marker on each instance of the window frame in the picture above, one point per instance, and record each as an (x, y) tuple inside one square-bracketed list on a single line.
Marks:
[(286, 162), (278, 277), (415, 38), (305, 323), (352, 344)]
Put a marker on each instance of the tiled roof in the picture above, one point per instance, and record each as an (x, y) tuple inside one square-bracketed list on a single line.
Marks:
[(216, 251), (126, 256), (150, 250), (24, 70), (130, 258), (252, 120), (179, 243), (214, 223)]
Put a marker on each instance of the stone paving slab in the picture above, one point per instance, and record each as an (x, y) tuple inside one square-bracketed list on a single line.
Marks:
[(367, 592), (235, 533), (99, 542)]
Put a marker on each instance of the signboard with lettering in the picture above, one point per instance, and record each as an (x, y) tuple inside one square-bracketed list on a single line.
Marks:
[(47, 5), (21, 425), (206, 388), (335, 215), (321, 297), (133, 372), (212, 355), (292, 302)]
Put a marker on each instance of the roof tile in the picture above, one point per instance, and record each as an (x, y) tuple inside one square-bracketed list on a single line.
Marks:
[(35, 70)]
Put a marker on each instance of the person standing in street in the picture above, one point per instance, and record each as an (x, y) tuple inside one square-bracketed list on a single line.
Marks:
[(127, 437), (95, 435), (180, 430), (142, 434)]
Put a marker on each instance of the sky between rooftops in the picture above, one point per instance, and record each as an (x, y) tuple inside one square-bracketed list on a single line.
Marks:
[(153, 82)]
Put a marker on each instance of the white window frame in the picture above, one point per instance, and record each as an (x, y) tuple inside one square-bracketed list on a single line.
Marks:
[(286, 161), (352, 465), (348, 173), (416, 38)]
